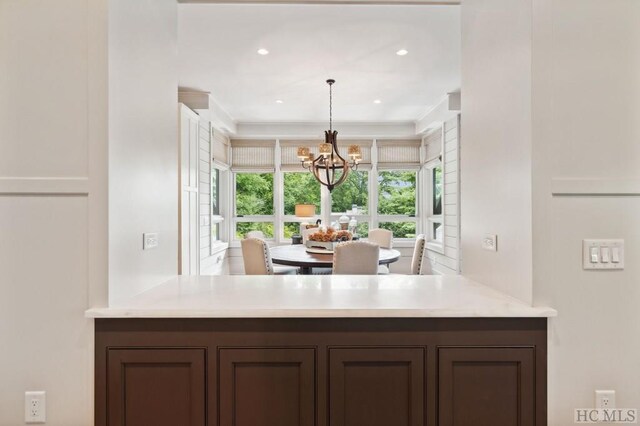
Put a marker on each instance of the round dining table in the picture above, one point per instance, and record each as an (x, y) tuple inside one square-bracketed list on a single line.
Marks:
[(297, 255)]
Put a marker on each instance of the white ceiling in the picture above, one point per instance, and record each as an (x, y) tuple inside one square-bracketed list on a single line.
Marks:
[(355, 45)]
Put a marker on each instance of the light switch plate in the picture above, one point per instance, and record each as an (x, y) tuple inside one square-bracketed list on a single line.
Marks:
[(490, 242), (149, 240), (610, 254)]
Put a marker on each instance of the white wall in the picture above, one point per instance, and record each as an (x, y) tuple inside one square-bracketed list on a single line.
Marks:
[(143, 147), (552, 90), (496, 143), (53, 184), (586, 109), (51, 109)]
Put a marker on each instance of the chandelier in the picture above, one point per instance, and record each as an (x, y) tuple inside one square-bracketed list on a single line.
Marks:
[(329, 167)]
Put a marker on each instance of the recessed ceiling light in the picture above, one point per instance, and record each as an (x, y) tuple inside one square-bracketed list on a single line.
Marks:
[(402, 52), (279, 101), (377, 101), (263, 52)]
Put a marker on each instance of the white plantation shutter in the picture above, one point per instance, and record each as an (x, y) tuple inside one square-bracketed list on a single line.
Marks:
[(252, 155), (398, 154)]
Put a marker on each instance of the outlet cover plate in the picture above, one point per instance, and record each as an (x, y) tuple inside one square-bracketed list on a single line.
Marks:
[(605, 399), (35, 409)]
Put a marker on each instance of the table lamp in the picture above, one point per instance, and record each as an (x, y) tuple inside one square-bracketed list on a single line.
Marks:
[(304, 211)]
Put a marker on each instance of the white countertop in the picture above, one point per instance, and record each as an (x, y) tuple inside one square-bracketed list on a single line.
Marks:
[(320, 296)]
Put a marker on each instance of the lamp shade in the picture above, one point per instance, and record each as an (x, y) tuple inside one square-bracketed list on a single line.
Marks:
[(305, 210)]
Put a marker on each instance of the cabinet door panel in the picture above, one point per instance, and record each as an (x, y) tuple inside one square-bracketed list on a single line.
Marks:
[(267, 387), (486, 387), (376, 386), (160, 387)]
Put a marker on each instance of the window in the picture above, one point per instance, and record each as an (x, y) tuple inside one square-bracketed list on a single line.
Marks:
[(353, 193), (298, 188), (397, 201), (266, 191), (400, 229), (243, 228), (216, 217), (254, 194), (254, 204), (436, 190), (435, 226)]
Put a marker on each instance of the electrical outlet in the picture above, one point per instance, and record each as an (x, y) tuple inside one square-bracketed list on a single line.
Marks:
[(149, 240), (490, 242), (605, 399), (35, 410)]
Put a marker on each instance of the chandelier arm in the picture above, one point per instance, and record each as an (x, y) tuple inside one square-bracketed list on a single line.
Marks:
[(316, 171), (326, 172)]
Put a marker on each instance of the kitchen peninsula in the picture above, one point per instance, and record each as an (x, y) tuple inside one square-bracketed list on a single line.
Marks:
[(321, 350)]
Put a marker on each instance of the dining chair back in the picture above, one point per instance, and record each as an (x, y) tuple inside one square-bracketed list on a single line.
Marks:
[(257, 259), (381, 237), (418, 255), (356, 258), (255, 234)]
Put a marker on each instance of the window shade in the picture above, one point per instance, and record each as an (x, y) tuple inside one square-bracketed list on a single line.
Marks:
[(252, 155), (289, 161), (398, 154), (220, 147), (433, 145)]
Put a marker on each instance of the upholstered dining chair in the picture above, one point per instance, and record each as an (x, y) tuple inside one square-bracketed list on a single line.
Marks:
[(383, 238), (356, 258), (255, 234), (418, 255), (257, 259)]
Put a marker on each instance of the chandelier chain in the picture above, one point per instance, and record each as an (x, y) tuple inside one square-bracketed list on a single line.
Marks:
[(330, 107)]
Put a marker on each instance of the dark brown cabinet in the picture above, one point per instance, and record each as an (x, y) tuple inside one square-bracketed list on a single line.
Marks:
[(160, 387), (267, 387), (376, 386), (321, 372), (496, 386)]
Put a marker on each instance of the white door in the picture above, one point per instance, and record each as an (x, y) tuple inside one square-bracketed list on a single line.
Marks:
[(188, 191)]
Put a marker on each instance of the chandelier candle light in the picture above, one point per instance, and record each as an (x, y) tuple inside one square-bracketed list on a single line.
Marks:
[(329, 167)]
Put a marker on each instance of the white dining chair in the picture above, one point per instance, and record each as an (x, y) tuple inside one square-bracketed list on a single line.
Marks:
[(255, 234), (257, 259), (383, 238), (356, 258)]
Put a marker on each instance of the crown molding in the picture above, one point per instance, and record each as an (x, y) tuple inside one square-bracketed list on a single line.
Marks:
[(446, 109), (315, 130)]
